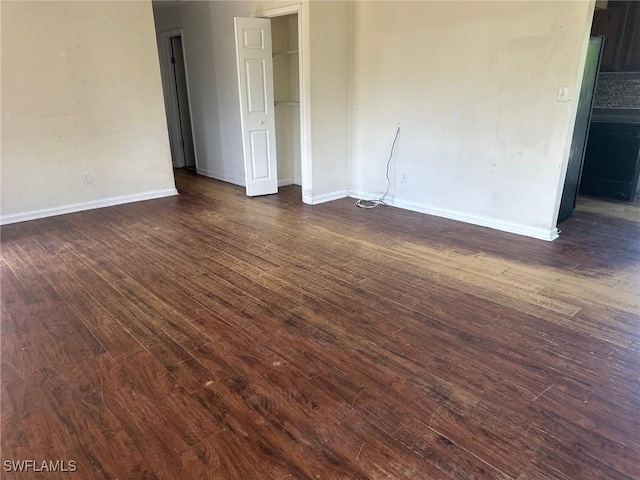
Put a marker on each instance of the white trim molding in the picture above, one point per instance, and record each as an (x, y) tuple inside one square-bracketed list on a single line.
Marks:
[(325, 197), (221, 176), (284, 182), (510, 227), (79, 207)]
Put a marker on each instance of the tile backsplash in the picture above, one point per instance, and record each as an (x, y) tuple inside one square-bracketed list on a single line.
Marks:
[(618, 90)]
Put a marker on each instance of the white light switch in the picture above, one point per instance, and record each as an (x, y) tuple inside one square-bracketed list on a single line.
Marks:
[(563, 94)]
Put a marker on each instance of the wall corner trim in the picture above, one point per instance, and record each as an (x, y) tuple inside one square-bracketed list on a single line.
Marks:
[(79, 207), (221, 176), (504, 226), (325, 197)]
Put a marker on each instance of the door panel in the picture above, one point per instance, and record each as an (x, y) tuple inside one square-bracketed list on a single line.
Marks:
[(259, 146), (255, 79), (256, 86)]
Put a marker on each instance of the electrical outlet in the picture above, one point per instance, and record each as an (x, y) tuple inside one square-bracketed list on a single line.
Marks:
[(404, 178), (563, 94), (86, 178)]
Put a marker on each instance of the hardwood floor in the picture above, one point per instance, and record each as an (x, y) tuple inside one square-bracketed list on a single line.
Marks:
[(213, 336)]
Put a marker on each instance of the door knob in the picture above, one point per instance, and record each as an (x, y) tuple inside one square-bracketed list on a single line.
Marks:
[(261, 122)]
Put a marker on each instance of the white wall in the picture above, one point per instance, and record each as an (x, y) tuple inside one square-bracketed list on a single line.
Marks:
[(210, 54), (473, 85), (330, 57), (81, 93)]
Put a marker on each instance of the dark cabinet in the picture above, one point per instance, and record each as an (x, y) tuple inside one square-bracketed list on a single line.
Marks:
[(619, 24), (609, 23), (631, 58), (612, 161)]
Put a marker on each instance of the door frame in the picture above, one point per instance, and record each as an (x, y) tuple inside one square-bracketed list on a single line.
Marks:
[(304, 77), (171, 100)]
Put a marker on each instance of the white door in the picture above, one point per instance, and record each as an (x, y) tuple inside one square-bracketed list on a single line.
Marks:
[(255, 78)]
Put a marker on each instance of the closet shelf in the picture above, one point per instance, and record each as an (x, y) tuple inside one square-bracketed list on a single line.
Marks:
[(290, 104), (286, 52)]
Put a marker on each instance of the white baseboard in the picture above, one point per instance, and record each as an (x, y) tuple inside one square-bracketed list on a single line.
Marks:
[(79, 207), (325, 197), (510, 227), (220, 176), (289, 181), (285, 182)]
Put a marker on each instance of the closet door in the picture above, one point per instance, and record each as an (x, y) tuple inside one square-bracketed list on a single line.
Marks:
[(255, 82)]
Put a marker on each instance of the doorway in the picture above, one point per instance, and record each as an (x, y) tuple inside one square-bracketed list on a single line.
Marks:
[(286, 76), (581, 129), (178, 104), (286, 66), (609, 167)]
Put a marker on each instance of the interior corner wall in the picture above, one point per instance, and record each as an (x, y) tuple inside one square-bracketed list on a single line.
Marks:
[(473, 86), (81, 94)]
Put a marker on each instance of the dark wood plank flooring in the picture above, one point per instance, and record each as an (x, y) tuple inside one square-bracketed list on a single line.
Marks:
[(213, 336)]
